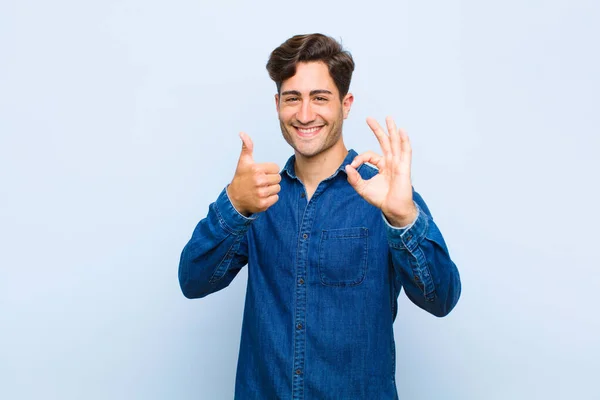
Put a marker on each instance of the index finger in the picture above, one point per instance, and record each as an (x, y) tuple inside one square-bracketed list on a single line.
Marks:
[(269, 168), (368, 157)]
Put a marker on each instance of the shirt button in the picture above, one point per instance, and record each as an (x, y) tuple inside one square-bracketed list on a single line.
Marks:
[(301, 281), (298, 371), (299, 326), (305, 236), (303, 195)]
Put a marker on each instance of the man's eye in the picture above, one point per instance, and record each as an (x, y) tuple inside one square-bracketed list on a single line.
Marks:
[(321, 98), (291, 99)]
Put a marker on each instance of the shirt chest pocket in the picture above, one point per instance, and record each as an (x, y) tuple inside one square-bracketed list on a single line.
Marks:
[(343, 256)]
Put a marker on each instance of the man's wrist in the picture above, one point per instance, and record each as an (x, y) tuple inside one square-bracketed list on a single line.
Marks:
[(235, 205), (403, 221)]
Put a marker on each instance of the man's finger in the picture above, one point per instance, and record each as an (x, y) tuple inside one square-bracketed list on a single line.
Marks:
[(368, 157), (247, 146), (384, 140), (394, 138), (406, 157), (269, 168), (271, 200), (354, 178), (274, 189), (276, 178), (271, 179)]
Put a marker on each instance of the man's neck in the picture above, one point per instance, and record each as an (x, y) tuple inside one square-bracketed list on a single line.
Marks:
[(312, 170)]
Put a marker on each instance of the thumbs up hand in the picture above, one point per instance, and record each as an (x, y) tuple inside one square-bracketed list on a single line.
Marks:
[(254, 186)]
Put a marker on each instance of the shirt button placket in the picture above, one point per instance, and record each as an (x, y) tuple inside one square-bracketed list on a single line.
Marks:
[(300, 311)]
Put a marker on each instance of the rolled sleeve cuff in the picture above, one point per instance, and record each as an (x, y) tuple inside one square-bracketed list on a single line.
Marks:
[(229, 217), (410, 236)]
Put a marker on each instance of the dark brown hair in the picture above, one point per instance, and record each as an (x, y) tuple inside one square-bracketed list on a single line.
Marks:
[(314, 47)]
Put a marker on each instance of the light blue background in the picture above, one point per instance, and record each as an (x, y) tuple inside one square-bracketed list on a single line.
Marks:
[(118, 127)]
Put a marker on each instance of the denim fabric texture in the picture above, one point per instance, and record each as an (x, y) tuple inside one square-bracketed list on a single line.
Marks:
[(323, 280)]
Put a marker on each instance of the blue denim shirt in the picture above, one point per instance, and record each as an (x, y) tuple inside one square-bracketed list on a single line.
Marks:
[(323, 280)]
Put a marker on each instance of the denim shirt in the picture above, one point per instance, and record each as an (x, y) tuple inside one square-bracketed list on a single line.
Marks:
[(323, 280)]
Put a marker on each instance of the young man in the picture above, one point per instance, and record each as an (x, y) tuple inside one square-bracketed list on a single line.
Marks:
[(329, 242)]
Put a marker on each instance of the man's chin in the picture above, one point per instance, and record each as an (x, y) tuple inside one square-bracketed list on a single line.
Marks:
[(306, 153), (310, 151)]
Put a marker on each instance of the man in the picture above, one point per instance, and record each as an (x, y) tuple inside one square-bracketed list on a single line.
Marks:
[(329, 242)]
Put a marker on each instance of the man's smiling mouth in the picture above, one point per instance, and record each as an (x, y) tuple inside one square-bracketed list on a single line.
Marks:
[(308, 131)]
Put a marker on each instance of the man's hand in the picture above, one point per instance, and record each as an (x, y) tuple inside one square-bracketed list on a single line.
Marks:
[(391, 189), (254, 186)]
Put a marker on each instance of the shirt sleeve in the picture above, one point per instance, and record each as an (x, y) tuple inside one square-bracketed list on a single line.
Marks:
[(422, 263), (217, 250)]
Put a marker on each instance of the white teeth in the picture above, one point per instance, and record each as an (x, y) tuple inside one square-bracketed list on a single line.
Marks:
[(309, 130)]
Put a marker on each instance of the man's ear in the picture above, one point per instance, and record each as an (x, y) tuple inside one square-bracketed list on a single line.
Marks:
[(277, 102), (347, 104)]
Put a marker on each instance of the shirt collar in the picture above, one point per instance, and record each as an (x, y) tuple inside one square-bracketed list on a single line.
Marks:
[(290, 169)]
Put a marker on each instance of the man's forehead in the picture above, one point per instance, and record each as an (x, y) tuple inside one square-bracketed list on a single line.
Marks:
[(310, 76)]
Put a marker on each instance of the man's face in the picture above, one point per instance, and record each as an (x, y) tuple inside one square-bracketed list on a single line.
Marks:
[(310, 110)]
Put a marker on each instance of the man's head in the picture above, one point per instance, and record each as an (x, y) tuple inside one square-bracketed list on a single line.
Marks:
[(312, 74), (314, 47)]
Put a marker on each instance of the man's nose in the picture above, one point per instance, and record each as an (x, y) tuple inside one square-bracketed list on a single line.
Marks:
[(305, 114)]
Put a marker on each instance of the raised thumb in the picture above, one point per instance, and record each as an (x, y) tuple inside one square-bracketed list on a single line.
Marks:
[(354, 177), (247, 146)]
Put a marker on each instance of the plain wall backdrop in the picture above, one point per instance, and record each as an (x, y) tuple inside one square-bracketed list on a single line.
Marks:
[(119, 125)]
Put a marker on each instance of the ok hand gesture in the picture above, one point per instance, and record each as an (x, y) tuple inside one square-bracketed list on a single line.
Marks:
[(391, 189)]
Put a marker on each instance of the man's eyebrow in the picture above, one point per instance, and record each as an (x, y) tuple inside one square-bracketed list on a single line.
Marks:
[(320, 91), (312, 92), (292, 92)]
